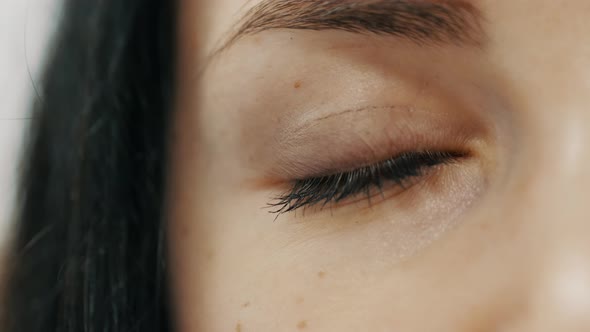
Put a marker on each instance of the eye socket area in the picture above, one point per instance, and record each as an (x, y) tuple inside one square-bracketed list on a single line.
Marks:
[(365, 157)]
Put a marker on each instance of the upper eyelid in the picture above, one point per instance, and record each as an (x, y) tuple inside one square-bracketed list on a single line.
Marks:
[(297, 131), (372, 133), (311, 122)]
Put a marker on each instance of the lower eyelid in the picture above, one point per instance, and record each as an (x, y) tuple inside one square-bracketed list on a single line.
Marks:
[(439, 181), (375, 195), (392, 190)]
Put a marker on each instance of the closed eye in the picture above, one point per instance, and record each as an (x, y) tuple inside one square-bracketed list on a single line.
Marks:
[(397, 172)]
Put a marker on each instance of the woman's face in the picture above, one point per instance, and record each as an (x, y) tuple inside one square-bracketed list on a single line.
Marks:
[(382, 165)]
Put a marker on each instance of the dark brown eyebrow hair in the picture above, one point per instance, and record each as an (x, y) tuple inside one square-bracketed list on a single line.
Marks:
[(455, 22)]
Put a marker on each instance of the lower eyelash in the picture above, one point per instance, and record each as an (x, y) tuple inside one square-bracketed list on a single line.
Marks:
[(334, 188)]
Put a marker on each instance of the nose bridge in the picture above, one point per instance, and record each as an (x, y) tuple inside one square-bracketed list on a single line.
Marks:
[(553, 182), (546, 202), (554, 166)]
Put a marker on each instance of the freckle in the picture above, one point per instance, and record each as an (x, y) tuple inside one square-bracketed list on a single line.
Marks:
[(321, 274), (302, 325), (246, 304), (297, 85), (299, 300), (210, 255), (239, 327)]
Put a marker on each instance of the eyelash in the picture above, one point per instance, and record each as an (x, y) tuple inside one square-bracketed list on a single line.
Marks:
[(334, 188)]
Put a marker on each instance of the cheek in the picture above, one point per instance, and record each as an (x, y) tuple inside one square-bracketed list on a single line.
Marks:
[(233, 266)]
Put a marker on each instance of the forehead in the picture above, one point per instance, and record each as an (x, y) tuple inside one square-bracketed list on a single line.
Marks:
[(213, 19)]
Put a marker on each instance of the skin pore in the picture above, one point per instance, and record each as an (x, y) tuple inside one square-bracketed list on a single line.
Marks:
[(495, 239)]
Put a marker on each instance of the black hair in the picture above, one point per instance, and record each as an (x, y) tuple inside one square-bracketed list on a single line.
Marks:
[(88, 251)]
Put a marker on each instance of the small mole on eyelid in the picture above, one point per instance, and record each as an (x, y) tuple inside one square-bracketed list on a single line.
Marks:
[(302, 325)]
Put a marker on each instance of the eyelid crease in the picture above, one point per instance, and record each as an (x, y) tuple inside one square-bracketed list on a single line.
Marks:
[(314, 121), (293, 132)]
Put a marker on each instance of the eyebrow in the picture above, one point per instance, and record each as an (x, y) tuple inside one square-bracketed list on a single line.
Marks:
[(456, 22)]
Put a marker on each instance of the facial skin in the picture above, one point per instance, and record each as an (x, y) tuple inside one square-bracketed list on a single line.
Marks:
[(496, 240)]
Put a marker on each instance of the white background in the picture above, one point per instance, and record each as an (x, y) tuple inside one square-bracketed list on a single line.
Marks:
[(25, 27)]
